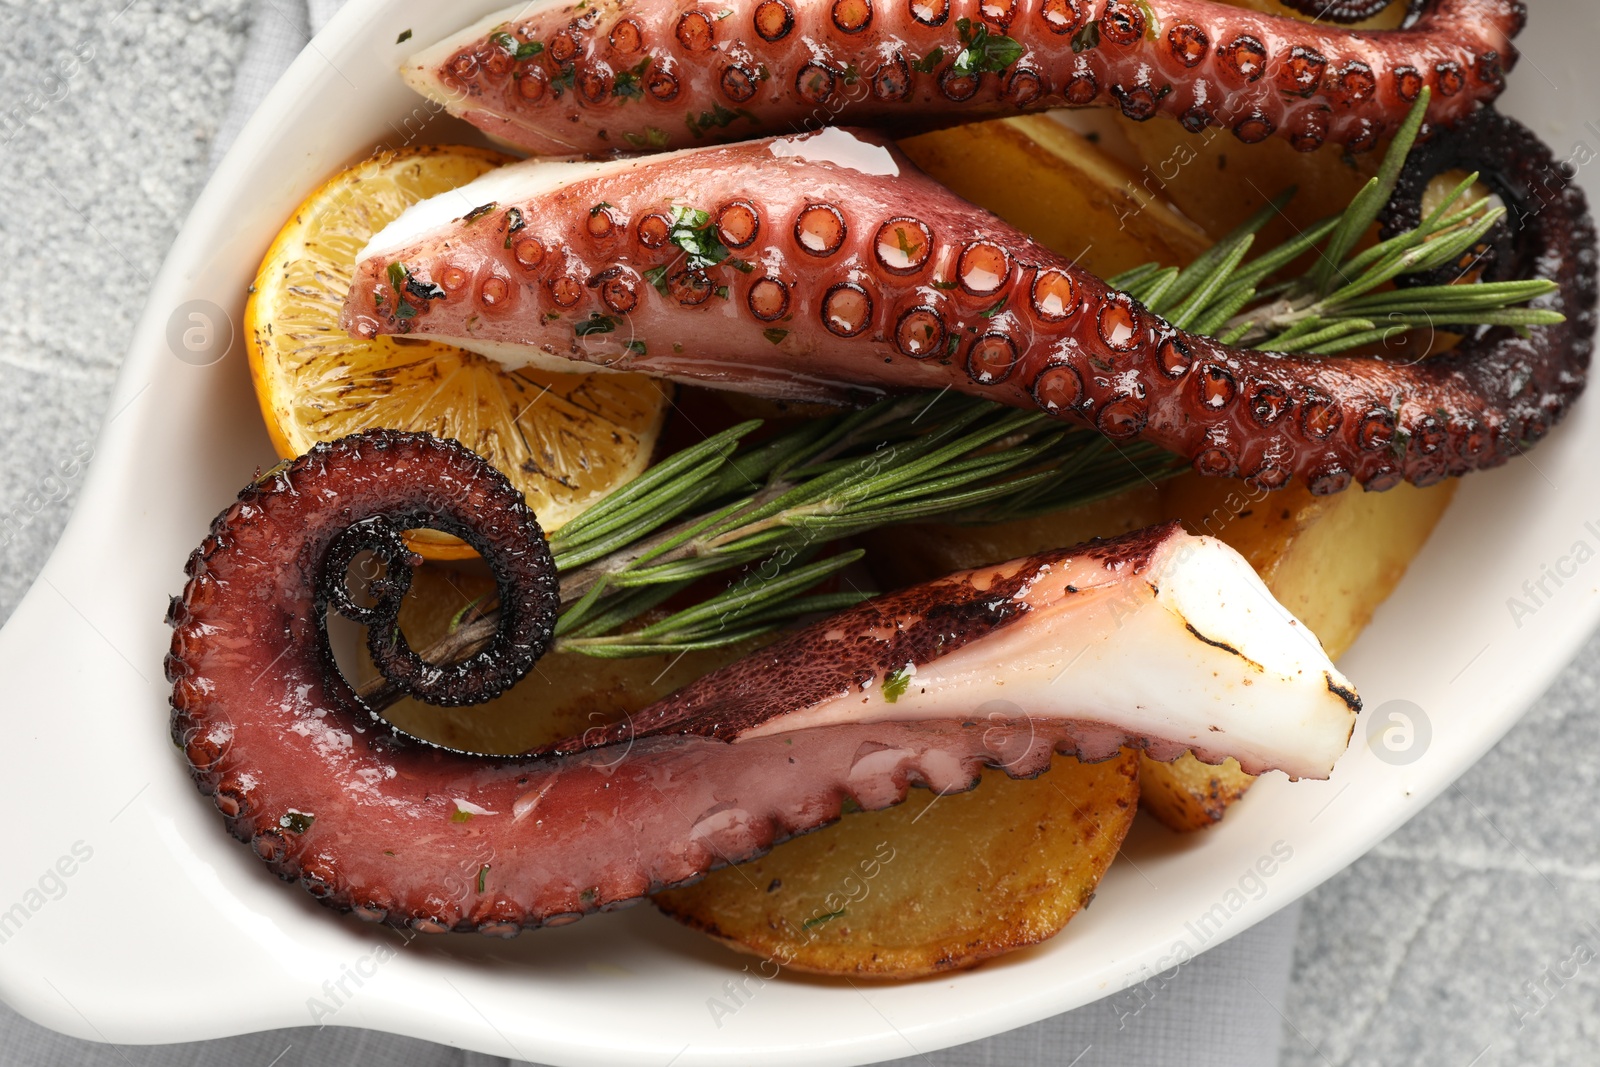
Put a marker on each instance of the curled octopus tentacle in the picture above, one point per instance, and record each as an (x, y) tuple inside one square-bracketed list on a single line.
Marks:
[(848, 269), (610, 77), (398, 831), (451, 491)]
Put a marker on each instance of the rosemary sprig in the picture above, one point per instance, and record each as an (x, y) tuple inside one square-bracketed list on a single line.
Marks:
[(1340, 303), (763, 511)]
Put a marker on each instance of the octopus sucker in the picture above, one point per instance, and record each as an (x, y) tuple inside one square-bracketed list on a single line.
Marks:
[(902, 690), (611, 77), (856, 274)]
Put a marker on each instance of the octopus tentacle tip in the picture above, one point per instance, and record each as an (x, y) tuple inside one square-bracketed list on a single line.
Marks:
[(619, 78), (857, 273), (438, 841), (1533, 377), (449, 489)]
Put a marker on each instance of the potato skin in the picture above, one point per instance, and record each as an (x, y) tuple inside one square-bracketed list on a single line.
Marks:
[(931, 885), (1187, 795)]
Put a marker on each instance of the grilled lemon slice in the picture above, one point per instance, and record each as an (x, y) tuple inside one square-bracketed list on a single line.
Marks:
[(565, 440)]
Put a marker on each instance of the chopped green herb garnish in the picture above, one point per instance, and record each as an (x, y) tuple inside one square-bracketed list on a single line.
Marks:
[(718, 116), (596, 323), (405, 35), (908, 248), (297, 822), (461, 815), (657, 276), (507, 43), (480, 211), (743, 266), (483, 872), (721, 291), (627, 84), (272, 472), (601, 206), (405, 311), (654, 137), (775, 335), (994, 309), (983, 51), (951, 284), (636, 347), (1086, 38), (896, 682), (398, 275), (514, 222), (528, 49), (692, 231), (927, 63), (1152, 25)]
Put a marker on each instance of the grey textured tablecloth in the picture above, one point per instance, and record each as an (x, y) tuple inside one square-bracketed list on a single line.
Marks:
[(1463, 940)]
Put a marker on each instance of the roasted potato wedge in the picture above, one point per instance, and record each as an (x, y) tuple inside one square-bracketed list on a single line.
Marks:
[(1187, 795), (935, 884)]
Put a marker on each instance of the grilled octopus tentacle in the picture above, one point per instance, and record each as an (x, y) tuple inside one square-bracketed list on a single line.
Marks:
[(608, 77), (413, 835), (846, 268)]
